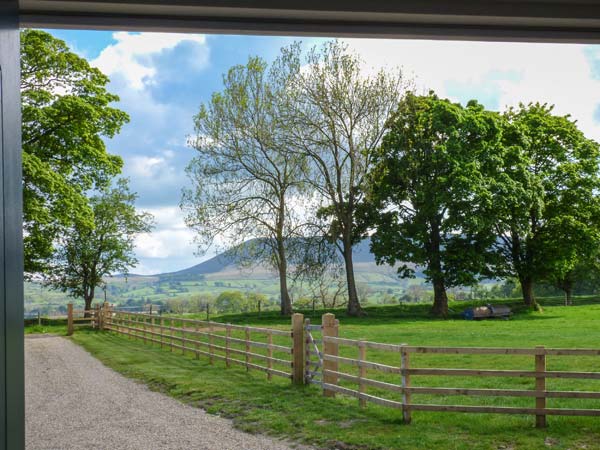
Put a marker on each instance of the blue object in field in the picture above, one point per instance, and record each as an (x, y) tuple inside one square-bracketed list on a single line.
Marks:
[(487, 312)]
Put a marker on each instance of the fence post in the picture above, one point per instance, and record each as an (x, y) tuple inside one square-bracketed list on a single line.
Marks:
[(247, 347), (540, 386), (183, 338), (70, 319), (227, 344), (330, 329), (171, 327), (404, 368), (143, 327), (298, 348), (97, 316), (197, 338), (362, 372), (105, 312), (162, 331), (211, 341), (269, 355)]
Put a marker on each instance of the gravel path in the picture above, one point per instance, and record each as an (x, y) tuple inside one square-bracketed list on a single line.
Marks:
[(75, 402)]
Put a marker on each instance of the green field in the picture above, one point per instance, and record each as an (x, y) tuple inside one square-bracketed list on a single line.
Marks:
[(304, 415)]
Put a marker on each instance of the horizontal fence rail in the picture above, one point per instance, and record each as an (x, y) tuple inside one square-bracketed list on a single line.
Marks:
[(332, 374), (251, 347)]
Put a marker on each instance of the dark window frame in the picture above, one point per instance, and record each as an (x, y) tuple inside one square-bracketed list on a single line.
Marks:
[(500, 20)]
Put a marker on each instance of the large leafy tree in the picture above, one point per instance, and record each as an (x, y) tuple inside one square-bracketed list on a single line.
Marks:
[(86, 254), (427, 175), (66, 113), (544, 198), (245, 180), (336, 113)]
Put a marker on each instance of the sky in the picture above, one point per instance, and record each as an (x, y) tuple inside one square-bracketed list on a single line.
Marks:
[(162, 79)]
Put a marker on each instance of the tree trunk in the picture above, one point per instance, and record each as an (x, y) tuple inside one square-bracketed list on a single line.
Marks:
[(286, 302), (567, 287), (527, 289), (354, 309), (440, 299), (88, 299)]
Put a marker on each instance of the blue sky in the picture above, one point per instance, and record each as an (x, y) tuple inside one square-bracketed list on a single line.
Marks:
[(163, 79)]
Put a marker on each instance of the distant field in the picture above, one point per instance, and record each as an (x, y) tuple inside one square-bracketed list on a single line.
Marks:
[(139, 290), (304, 415)]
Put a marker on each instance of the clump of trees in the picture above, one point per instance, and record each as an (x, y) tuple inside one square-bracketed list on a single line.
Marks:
[(66, 112), (544, 201), (79, 221), (457, 191), (472, 194), (282, 157), (85, 254)]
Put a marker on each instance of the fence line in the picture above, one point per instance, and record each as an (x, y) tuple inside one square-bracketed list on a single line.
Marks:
[(206, 338), (332, 373), (89, 317), (298, 355)]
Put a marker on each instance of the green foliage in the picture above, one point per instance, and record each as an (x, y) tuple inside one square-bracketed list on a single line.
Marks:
[(427, 175), (231, 302), (86, 255), (66, 113), (544, 205)]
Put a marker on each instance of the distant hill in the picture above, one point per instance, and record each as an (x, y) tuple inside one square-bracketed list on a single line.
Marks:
[(226, 262), (213, 265)]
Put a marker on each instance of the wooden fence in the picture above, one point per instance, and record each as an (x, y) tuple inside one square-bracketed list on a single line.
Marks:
[(332, 373), (91, 317), (265, 349), (310, 354)]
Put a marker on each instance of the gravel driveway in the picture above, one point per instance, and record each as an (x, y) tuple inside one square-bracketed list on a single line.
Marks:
[(74, 402)]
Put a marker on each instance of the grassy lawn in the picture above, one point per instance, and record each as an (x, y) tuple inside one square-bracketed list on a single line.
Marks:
[(48, 326), (304, 415)]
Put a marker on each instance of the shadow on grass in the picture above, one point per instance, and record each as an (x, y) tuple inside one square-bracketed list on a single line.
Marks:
[(406, 311)]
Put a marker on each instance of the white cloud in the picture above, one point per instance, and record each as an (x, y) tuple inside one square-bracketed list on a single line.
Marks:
[(559, 74), (165, 244), (130, 55), (171, 238), (169, 247), (146, 166)]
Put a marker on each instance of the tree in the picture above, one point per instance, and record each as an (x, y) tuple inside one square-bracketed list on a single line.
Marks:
[(85, 255), (336, 114), (245, 179), (328, 287), (427, 174), (575, 243), (231, 302), (256, 301), (66, 113), (199, 302), (543, 192)]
